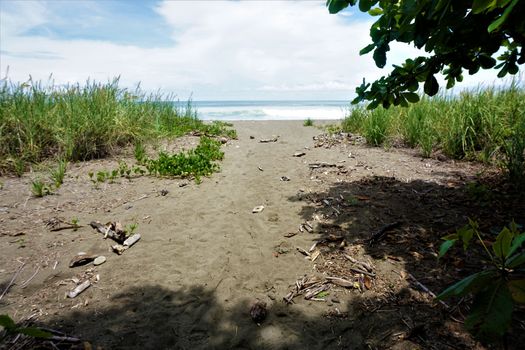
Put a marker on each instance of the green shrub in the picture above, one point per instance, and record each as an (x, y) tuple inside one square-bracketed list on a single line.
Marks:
[(495, 288)]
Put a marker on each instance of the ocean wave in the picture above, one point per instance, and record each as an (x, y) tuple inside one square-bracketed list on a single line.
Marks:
[(271, 113)]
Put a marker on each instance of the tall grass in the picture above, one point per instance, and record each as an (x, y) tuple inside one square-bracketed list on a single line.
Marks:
[(77, 122), (485, 124)]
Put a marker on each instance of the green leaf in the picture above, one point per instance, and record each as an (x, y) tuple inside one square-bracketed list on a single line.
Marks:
[(503, 72), (367, 49), (334, 6), (486, 61), (517, 289), (365, 5), (468, 284), (481, 5), (411, 97), (7, 322), (375, 12), (445, 246), (501, 247), (465, 233), (491, 311), (499, 22), (34, 332), (431, 86), (515, 261), (516, 243), (380, 56)]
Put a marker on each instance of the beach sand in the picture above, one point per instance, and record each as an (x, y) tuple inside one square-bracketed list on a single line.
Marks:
[(205, 258)]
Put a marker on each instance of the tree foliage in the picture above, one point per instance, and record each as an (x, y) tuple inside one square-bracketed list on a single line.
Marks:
[(458, 35)]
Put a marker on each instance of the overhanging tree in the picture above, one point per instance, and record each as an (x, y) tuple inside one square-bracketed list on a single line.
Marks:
[(458, 35)]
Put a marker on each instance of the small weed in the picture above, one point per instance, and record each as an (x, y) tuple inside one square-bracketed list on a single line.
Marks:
[(19, 166), (351, 200), (322, 294), (74, 221), (332, 129), (39, 188), (102, 176), (57, 174), (478, 192), (131, 228), (308, 122), (140, 152)]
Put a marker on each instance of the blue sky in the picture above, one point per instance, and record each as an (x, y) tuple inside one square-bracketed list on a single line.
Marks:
[(208, 49)]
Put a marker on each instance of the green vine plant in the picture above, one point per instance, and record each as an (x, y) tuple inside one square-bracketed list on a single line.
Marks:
[(495, 288)]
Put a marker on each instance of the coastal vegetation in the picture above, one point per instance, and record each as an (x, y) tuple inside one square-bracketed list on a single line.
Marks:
[(485, 124), (79, 122)]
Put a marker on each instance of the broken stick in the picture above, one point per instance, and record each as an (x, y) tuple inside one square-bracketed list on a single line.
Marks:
[(376, 237)]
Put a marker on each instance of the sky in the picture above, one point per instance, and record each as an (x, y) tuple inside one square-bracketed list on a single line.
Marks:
[(206, 50)]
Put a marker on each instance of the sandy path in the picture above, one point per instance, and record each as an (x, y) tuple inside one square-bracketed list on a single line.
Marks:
[(204, 256)]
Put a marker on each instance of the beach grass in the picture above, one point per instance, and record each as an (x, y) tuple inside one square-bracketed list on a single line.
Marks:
[(484, 124), (79, 122)]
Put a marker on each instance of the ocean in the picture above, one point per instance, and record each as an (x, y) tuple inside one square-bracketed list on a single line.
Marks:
[(270, 110)]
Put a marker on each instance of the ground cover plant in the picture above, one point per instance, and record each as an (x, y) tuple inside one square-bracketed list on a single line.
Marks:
[(485, 124), (194, 163), (79, 122)]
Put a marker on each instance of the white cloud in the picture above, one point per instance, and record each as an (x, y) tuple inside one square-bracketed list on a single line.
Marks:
[(222, 50)]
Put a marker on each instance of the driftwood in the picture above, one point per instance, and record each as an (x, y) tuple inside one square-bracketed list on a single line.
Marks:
[(79, 289), (131, 240), (303, 251), (108, 232), (67, 226), (321, 165), (363, 264), (341, 282), (312, 286), (273, 139), (313, 291), (381, 233)]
